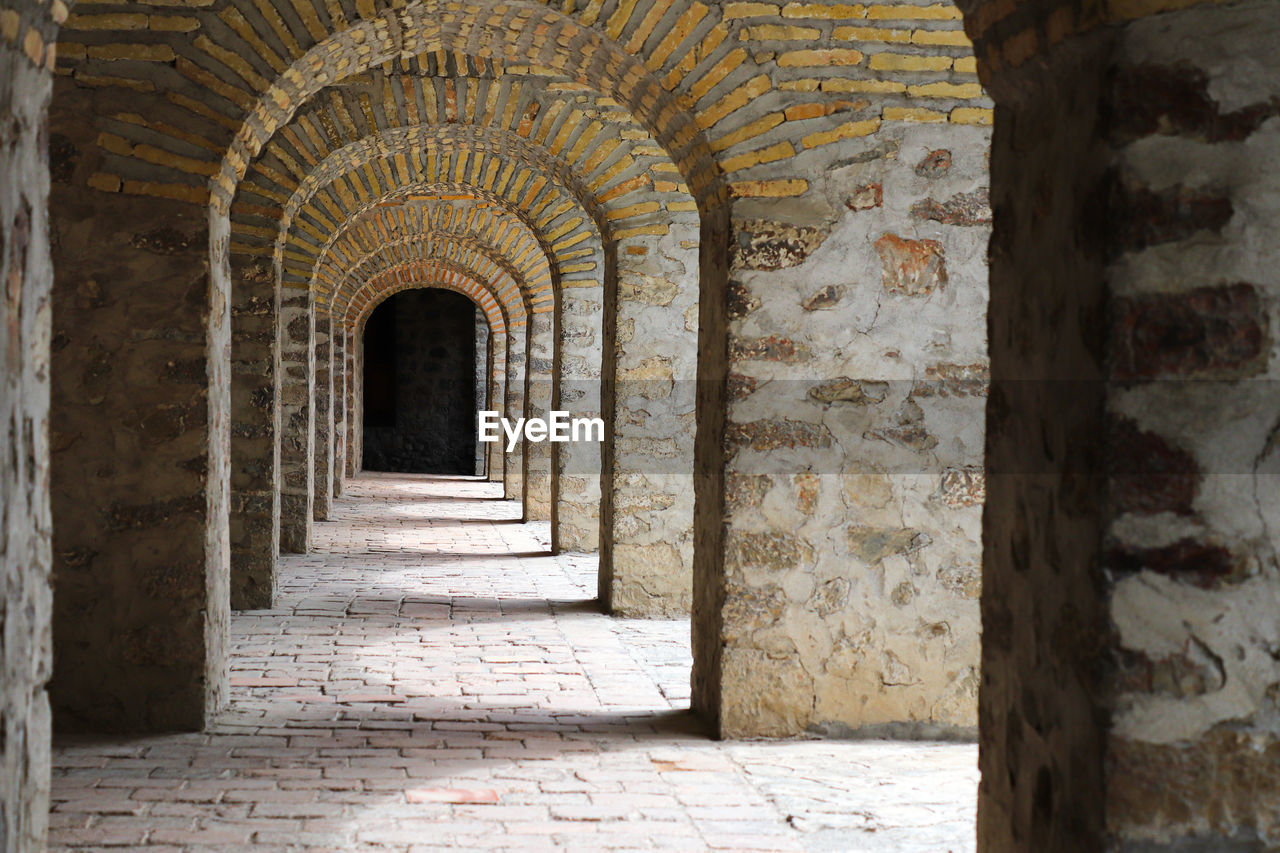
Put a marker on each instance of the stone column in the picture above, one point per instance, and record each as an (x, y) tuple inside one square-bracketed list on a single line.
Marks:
[(1130, 570), (646, 561), (255, 459), (297, 430), (497, 398), (322, 482), (483, 357), (576, 487), (537, 403), (25, 598), (355, 404), (140, 478), (517, 360), (340, 414), (855, 376)]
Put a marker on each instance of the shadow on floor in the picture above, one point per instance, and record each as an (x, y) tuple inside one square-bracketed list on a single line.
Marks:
[(459, 606), (373, 720), (415, 555)]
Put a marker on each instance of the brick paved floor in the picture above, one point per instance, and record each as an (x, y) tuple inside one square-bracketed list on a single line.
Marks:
[(431, 680)]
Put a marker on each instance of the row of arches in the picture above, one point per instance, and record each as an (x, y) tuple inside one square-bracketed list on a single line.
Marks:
[(268, 173), (754, 236), (571, 183)]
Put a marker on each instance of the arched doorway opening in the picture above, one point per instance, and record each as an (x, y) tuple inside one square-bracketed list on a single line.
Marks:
[(420, 362)]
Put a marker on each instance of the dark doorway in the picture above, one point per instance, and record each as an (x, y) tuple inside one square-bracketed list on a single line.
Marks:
[(419, 384)]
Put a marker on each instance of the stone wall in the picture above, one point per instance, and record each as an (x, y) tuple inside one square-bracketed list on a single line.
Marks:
[(25, 600), (514, 395), (296, 338), (255, 451), (576, 486), (355, 401), (435, 419), (1041, 579), (646, 557), (853, 486), (341, 341), (483, 348), (1129, 668), (323, 423), (539, 398), (139, 446)]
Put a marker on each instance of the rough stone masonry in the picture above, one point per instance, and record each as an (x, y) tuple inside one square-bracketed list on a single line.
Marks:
[(754, 236)]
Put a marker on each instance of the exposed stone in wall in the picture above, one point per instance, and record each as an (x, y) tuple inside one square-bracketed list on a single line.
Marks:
[(25, 595), (434, 428), (539, 397), (716, 490), (1195, 371), (1042, 748), (855, 435), (323, 423), (297, 419), (576, 487), (340, 379), (646, 561), (140, 431), (483, 390), (498, 347), (1145, 554), (255, 455), (513, 395)]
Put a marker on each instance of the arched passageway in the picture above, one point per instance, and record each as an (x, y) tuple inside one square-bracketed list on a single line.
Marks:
[(431, 676), (932, 344)]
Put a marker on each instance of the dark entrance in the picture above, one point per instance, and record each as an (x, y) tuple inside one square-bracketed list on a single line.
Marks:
[(419, 384)]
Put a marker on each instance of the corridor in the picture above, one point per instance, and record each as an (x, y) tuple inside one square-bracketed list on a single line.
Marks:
[(430, 679)]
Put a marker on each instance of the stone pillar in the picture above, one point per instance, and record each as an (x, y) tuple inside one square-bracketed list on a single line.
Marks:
[(255, 458), (355, 404), (297, 429), (646, 561), (1130, 570), (483, 356), (576, 487), (517, 361), (340, 379), (497, 399), (140, 478), (851, 500), (25, 595), (537, 402), (707, 625), (322, 448)]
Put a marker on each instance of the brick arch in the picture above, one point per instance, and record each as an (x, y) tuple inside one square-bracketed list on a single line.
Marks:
[(557, 205), (571, 248), (505, 36), (502, 235), (511, 311), (558, 119), (725, 90), (481, 260), (409, 276), (507, 331)]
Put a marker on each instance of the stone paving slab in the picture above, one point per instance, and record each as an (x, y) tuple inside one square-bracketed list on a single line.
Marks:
[(432, 679)]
